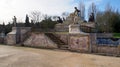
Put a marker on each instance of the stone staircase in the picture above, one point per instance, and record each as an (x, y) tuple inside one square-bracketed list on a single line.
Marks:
[(25, 38), (60, 43)]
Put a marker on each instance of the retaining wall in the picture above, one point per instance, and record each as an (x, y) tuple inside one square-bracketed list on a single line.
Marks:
[(103, 48), (88, 43), (63, 37), (40, 40), (78, 42)]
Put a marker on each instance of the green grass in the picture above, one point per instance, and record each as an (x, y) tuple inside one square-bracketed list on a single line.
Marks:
[(116, 35)]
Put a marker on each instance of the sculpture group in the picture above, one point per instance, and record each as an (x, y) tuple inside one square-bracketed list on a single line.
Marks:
[(76, 15)]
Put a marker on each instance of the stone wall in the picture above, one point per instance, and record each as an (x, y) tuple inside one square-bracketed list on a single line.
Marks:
[(106, 49), (64, 37), (76, 42), (2, 40), (79, 42), (104, 35), (61, 28), (22, 28), (39, 40), (12, 38), (103, 48), (87, 43)]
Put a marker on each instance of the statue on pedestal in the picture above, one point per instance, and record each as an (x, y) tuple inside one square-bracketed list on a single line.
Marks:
[(74, 28), (76, 12), (91, 18), (76, 16), (60, 20), (14, 21)]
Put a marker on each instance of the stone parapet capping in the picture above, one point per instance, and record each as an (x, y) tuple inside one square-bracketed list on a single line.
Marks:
[(22, 28), (104, 35)]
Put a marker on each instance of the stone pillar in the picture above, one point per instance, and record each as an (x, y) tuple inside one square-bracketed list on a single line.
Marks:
[(18, 35), (75, 29)]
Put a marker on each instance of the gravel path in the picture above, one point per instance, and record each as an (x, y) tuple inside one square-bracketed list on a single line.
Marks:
[(11, 56)]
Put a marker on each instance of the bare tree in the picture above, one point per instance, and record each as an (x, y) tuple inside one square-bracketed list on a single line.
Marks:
[(36, 16), (65, 14), (55, 18), (108, 8), (46, 17), (82, 10), (92, 9)]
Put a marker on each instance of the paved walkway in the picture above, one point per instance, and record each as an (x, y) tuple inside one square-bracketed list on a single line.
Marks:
[(11, 56)]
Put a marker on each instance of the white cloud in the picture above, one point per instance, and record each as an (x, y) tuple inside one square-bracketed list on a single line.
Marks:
[(19, 8)]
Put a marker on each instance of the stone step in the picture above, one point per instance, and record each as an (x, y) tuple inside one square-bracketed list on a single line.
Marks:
[(64, 46), (55, 39)]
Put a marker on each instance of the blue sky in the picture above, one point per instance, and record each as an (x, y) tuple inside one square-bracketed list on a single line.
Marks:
[(114, 3), (101, 4), (19, 8)]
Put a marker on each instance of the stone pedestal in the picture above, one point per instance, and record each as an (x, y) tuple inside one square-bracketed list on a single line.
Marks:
[(75, 29)]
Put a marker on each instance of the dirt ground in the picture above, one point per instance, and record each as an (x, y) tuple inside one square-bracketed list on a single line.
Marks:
[(11, 56)]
